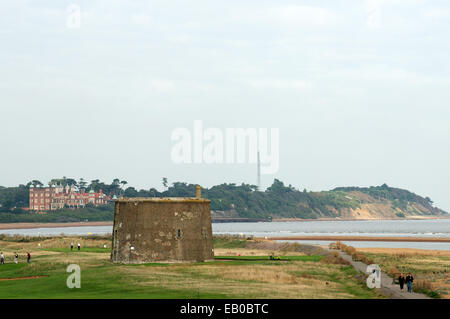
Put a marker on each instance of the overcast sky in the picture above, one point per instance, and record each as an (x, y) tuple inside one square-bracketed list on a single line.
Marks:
[(359, 90)]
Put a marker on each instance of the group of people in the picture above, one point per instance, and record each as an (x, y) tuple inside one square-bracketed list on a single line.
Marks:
[(16, 255), (16, 258), (408, 280), (71, 246)]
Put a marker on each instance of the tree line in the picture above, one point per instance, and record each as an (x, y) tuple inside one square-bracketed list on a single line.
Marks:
[(278, 200)]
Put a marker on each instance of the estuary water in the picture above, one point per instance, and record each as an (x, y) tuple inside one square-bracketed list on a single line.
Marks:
[(381, 228), (385, 228)]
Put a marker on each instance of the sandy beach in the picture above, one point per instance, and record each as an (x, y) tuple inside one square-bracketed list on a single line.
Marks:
[(363, 238), (51, 225), (356, 219)]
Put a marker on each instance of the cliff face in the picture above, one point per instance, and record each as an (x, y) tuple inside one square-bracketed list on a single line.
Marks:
[(279, 201), (372, 208)]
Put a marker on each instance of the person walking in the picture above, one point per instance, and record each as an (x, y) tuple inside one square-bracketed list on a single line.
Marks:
[(2, 259), (401, 281), (28, 257), (71, 246), (79, 246), (16, 258), (409, 282)]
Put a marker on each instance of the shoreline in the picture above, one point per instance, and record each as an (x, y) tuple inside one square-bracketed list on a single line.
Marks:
[(356, 219), (30, 225), (4, 226), (361, 238)]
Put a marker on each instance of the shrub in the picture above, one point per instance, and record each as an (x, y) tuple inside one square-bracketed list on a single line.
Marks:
[(358, 257), (350, 250), (393, 271), (335, 259), (333, 246), (370, 261), (424, 286)]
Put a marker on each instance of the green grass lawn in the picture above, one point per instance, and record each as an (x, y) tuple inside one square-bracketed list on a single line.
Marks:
[(223, 242), (99, 282), (267, 258), (106, 281), (296, 276), (83, 250)]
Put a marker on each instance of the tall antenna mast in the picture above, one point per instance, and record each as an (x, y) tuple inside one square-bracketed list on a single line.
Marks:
[(259, 173)]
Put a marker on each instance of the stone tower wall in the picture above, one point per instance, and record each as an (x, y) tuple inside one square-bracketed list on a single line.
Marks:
[(162, 230)]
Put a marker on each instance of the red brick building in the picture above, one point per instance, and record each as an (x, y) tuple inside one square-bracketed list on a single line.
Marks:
[(57, 197)]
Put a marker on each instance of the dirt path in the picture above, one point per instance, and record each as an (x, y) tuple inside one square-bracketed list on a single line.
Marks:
[(387, 287), (21, 278)]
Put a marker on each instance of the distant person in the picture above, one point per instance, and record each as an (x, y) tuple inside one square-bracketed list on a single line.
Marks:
[(71, 246), (401, 281), (28, 257), (79, 246), (2, 259), (409, 282), (16, 258)]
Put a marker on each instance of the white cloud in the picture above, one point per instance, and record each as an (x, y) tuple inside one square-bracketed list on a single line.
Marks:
[(292, 16), (386, 74), (162, 85), (279, 84), (437, 13), (303, 16), (182, 39), (141, 19)]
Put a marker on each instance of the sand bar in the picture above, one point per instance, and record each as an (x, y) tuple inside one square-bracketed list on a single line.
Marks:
[(51, 225), (363, 238)]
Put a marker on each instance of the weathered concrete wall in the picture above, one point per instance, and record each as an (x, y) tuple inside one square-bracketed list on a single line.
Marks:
[(162, 229)]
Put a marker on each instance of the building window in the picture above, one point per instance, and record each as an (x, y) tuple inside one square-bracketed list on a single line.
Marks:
[(179, 233), (205, 234)]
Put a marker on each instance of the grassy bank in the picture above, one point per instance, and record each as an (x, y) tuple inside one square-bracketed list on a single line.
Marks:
[(242, 269)]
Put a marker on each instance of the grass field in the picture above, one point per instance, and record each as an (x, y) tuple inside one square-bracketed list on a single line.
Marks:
[(237, 272)]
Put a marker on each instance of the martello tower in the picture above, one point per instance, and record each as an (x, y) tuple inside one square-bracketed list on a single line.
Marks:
[(162, 229)]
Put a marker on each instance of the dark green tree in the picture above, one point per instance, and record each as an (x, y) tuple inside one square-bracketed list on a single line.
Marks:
[(82, 183), (165, 182)]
